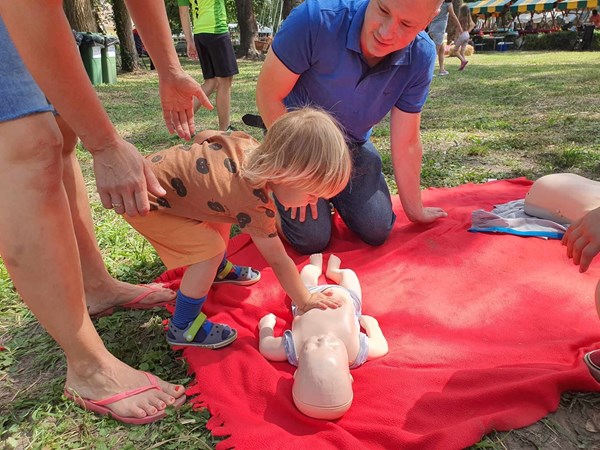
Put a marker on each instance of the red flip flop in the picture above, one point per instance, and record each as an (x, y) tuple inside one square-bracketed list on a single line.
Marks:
[(100, 406), (135, 303)]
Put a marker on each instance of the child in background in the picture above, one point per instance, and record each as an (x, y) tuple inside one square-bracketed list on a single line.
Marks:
[(226, 178), (467, 24)]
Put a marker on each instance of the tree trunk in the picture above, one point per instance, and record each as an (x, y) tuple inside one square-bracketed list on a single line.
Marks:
[(129, 57), (248, 29), (97, 7), (288, 5), (80, 15)]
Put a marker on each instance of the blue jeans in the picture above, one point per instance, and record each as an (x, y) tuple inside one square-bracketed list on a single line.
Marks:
[(364, 205), (20, 96)]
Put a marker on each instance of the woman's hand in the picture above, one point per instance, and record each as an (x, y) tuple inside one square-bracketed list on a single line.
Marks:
[(177, 92), (123, 178)]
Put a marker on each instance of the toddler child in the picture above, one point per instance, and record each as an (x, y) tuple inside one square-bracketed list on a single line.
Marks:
[(324, 345), (467, 24), (226, 178)]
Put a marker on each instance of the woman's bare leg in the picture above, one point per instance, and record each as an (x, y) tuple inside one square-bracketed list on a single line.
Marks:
[(38, 245), (101, 290)]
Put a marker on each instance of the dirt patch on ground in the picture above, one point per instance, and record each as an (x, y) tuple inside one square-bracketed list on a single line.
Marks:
[(575, 425)]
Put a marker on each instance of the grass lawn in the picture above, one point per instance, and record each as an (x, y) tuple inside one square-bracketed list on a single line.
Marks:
[(507, 115)]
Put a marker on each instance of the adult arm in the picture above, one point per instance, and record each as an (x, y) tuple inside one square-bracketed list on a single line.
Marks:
[(407, 153), (184, 16), (583, 239), (269, 346), (286, 272), (378, 345), (177, 89), (275, 82), (49, 52)]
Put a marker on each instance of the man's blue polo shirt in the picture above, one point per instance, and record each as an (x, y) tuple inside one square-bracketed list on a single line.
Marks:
[(320, 41)]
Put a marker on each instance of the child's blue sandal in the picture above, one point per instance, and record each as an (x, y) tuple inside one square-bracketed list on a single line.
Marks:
[(201, 333), (241, 275)]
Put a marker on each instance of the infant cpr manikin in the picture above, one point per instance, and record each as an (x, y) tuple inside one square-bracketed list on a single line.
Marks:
[(325, 344), (562, 197)]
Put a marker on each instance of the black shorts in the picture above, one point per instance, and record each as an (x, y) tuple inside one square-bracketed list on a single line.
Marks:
[(216, 55)]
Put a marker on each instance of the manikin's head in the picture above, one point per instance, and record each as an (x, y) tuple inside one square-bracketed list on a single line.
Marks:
[(322, 383), (390, 25)]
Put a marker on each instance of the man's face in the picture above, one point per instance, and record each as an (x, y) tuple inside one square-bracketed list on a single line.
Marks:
[(392, 24)]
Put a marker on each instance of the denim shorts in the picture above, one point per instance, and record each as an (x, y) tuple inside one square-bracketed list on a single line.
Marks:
[(20, 96)]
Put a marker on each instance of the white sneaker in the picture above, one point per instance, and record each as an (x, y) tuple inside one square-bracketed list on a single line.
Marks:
[(443, 73)]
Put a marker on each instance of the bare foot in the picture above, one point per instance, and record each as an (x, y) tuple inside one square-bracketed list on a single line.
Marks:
[(333, 264), (103, 297), (316, 259), (98, 382)]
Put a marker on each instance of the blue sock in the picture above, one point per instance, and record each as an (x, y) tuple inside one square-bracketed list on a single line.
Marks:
[(186, 309)]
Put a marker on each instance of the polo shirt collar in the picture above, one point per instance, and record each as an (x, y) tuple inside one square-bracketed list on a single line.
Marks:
[(398, 58)]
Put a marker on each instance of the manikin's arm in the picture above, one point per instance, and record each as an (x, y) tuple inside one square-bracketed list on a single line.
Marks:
[(269, 346), (407, 152), (378, 346), (275, 82)]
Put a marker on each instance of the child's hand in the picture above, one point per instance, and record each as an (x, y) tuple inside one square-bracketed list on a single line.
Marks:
[(267, 321), (321, 300)]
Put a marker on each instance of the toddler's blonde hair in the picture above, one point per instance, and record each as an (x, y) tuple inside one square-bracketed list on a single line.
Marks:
[(304, 149)]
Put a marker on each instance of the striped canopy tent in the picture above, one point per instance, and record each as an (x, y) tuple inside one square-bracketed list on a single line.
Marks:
[(488, 6), (578, 4), (521, 6)]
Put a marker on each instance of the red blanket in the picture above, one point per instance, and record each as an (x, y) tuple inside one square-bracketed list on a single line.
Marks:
[(485, 332)]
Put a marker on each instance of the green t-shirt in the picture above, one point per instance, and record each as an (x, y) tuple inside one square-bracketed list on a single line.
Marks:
[(208, 16)]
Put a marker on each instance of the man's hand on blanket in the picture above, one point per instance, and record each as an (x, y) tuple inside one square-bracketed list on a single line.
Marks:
[(583, 239), (321, 300), (428, 215)]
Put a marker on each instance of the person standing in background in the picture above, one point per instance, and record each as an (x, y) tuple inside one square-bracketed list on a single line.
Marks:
[(437, 29), (211, 43)]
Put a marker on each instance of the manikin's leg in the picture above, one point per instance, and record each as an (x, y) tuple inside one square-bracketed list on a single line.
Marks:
[(223, 101), (311, 272), (344, 277), (38, 245), (101, 290)]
